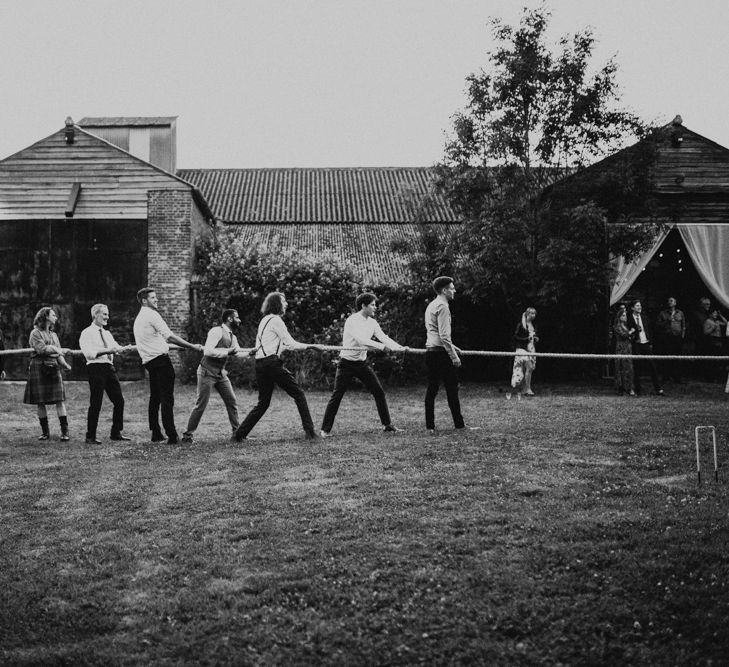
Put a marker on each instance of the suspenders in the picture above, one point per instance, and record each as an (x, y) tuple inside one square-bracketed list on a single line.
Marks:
[(260, 337)]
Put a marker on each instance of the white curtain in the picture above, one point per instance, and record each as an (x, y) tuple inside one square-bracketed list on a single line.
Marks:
[(708, 246), (627, 273)]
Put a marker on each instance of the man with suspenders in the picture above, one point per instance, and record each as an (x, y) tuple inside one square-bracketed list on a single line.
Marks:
[(220, 344)]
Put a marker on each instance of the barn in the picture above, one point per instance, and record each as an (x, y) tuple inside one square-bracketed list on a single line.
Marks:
[(90, 214)]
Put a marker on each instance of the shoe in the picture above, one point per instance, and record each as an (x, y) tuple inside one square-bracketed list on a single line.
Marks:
[(430, 431), (312, 435), (92, 441), (173, 440), (187, 437), (119, 436), (392, 429), (529, 393), (632, 393), (508, 395), (65, 437), (157, 436), (466, 427), (45, 436), (325, 434), (659, 392)]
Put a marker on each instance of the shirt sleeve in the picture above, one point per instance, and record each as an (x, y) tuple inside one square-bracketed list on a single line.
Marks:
[(353, 329), (159, 325), (211, 342), (444, 331), (87, 346), (279, 327), (384, 338), (37, 343)]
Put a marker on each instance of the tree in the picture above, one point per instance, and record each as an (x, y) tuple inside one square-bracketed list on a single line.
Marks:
[(533, 117)]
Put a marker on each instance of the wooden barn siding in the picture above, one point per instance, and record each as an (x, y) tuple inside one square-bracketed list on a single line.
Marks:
[(697, 166), (36, 182)]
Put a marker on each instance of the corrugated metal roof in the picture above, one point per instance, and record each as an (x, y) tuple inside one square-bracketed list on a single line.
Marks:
[(366, 248), (124, 121), (318, 195)]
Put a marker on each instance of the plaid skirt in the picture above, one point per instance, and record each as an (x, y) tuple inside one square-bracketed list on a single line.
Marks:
[(43, 389)]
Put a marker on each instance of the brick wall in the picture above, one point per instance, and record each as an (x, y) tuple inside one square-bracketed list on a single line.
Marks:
[(170, 254)]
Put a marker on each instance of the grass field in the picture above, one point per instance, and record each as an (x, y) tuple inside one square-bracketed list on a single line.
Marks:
[(569, 530)]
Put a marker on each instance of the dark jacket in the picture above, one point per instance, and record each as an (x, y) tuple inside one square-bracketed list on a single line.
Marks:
[(632, 324), (521, 336)]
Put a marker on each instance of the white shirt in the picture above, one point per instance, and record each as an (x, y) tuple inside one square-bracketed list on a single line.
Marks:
[(358, 332), (438, 326), (150, 334), (91, 344), (642, 338), (273, 337)]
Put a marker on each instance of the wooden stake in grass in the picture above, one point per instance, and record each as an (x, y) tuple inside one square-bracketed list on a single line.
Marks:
[(712, 430)]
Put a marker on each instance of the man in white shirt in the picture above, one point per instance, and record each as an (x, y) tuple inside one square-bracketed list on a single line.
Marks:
[(99, 348), (220, 344), (152, 336), (359, 330)]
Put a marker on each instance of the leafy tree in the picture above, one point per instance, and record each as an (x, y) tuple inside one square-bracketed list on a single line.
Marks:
[(534, 116)]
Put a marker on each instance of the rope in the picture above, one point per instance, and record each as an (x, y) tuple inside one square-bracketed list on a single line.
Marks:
[(480, 353)]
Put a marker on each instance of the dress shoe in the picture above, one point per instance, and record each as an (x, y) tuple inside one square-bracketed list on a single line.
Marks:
[(92, 441), (325, 434), (391, 429), (157, 436), (119, 436), (187, 437)]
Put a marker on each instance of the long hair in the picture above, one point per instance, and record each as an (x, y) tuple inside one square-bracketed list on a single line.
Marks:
[(273, 304), (524, 317), (41, 317)]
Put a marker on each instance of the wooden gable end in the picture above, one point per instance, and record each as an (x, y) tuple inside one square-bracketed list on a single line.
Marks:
[(89, 179), (693, 165)]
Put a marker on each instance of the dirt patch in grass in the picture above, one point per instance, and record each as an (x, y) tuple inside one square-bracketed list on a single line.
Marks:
[(560, 533)]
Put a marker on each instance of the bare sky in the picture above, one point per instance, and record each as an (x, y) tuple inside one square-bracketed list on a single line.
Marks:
[(326, 83)]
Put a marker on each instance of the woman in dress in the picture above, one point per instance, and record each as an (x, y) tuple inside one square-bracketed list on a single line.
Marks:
[(623, 345), (45, 383), (525, 339), (270, 371)]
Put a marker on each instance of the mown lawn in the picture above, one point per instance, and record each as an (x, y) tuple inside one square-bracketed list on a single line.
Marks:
[(569, 530)]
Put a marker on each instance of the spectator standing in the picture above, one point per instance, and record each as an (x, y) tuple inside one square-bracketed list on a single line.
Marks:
[(714, 334), (670, 334), (99, 347), (45, 383), (642, 345), (152, 336), (525, 339), (623, 345)]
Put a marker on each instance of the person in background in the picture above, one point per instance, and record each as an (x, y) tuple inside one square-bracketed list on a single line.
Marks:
[(152, 336), (45, 383), (441, 355), (670, 334), (359, 331), (99, 347), (623, 345), (525, 340), (714, 334), (273, 337), (642, 345), (220, 344), (2, 356)]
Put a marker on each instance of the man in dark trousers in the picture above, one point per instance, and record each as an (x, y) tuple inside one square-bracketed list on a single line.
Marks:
[(642, 344), (99, 348)]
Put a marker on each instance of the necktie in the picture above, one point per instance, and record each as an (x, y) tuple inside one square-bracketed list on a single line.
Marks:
[(103, 342)]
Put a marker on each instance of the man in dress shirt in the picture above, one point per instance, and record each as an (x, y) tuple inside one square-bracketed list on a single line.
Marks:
[(670, 333), (441, 355), (642, 344), (359, 330), (152, 336), (99, 348), (220, 344)]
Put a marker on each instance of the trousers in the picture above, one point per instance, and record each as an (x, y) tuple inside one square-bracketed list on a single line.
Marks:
[(161, 395), (103, 378), (270, 372), (346, 371), (205, 384), (441, 369)]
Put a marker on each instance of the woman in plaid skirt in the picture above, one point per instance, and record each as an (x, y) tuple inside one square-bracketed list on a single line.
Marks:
[(45, 384)]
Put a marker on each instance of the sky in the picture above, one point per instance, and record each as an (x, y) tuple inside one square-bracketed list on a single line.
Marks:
[(327, 83)]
